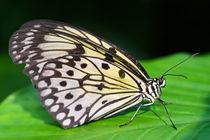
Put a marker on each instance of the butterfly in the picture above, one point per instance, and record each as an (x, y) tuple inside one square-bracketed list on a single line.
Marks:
[(81, 77)]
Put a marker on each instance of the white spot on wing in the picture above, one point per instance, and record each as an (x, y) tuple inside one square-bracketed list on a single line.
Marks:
[(69, 57), (27, 60), (54, 108), (45, 92), (17, 56), (51, 65), (55, 38), (60, 116), (48, 73), (34, 30), (14, 52), (63, 60), (28, 40), (66, 122), (20, 62), (29, 33), (27, 65), (37, 26), (56, 46), (53, 54), (36, 77), (42, 84), (14, 42), (24, 48), (15, 46), (31, 52), (48, 102), (31, 72), (32, 55)]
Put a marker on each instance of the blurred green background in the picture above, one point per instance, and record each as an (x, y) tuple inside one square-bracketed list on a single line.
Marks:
[(144, 28)]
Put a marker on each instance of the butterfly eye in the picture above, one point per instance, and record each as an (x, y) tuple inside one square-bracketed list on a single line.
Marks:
[(162, 82)]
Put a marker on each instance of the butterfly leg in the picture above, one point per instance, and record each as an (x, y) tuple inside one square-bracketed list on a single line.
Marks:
[(161, 101), (165, 103), (132, 116), (148, 104)]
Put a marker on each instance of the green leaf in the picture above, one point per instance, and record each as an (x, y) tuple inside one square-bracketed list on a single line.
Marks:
[(23, 117)]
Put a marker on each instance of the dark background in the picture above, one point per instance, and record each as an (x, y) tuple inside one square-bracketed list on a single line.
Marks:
[(144, 28)]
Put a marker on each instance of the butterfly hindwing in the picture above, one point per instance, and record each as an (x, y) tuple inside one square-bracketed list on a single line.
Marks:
[(80, 77), (77, 95)]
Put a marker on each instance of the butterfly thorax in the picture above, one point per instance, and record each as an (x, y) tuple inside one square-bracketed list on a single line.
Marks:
[(154, 87)]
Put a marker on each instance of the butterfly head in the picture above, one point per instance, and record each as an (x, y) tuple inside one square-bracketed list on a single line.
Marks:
[(155, 86), (161, 82), (157, 83)]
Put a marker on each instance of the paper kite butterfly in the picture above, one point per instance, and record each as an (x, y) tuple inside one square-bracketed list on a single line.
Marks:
[(80, 77)]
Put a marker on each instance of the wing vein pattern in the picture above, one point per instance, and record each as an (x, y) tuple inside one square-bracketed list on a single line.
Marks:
[(80, 77)]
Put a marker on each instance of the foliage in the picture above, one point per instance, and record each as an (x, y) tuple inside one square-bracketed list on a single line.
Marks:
[(11, 76)]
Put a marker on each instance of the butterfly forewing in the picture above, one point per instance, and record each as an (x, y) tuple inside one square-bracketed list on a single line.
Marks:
[(80, 77)]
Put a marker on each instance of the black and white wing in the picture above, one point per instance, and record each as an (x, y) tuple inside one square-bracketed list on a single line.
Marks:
[(80, 77)]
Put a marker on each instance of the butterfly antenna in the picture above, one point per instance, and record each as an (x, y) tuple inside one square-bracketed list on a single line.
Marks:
[(164, 74), (181, 75)]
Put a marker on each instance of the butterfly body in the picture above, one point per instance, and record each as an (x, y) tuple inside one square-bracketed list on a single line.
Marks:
[(80, 77)]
